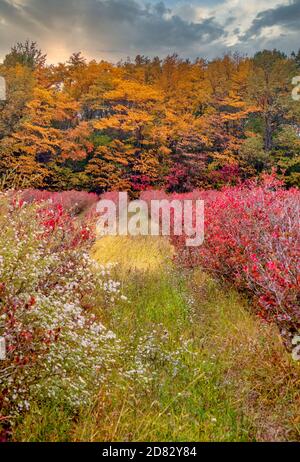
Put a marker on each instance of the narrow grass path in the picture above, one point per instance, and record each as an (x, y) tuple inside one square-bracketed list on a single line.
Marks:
[(195, 364), (198, 366)]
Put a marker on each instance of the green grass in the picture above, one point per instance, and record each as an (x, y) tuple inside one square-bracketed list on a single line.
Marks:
[(207, 369), (189, 405), (45, 423)]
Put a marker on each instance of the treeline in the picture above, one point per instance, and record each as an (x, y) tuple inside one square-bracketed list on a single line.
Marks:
[(173, 123)]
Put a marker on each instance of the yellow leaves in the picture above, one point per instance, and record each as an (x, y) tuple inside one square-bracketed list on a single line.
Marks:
[(147, 164), (89, 80), (22, 172), (107, 176), (134, 119), (49, 128), (117, 152), (164, 151), (50, 105), (221, 159), (131, 121), (75, 143), (19, 73), (134, 92)]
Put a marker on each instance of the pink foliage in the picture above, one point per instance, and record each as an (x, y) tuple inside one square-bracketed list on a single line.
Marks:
[(229, 174), (111, 196), (252, 240), (140, 182), (75, 201)]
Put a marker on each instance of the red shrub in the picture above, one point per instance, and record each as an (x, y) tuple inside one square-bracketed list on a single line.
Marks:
[(252, 239), (75, 201)]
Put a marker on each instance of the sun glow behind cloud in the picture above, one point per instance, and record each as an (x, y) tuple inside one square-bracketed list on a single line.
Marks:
[(113, 29)]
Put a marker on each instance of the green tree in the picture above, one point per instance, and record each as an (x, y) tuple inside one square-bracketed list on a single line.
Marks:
[(270, 90), (27, 54)]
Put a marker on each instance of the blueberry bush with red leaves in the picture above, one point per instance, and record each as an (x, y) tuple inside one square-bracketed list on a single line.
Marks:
[(71, 201), (57, 348), (251, 240)]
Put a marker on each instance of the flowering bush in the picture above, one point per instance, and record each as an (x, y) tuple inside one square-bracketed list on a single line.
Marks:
[(153, 349), (252, 239), (56, 347)]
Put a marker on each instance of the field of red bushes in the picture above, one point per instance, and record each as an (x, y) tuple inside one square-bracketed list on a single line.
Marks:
[(251, 240)]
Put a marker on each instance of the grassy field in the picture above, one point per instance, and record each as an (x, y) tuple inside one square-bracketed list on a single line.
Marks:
[(197, 365)]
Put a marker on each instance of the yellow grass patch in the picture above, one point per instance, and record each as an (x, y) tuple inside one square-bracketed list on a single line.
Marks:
[(138, 253)]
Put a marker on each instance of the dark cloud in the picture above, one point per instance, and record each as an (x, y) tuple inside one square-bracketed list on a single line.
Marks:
[(124, 25), (113, 29), (287, 16)]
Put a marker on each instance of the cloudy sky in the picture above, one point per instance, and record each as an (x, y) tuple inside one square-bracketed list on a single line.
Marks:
[(114, 29)]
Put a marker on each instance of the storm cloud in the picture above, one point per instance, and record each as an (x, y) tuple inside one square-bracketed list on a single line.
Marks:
[(286, 16), (114, 29)]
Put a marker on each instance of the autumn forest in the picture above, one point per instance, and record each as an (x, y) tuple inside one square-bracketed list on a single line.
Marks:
[(147, 123)]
